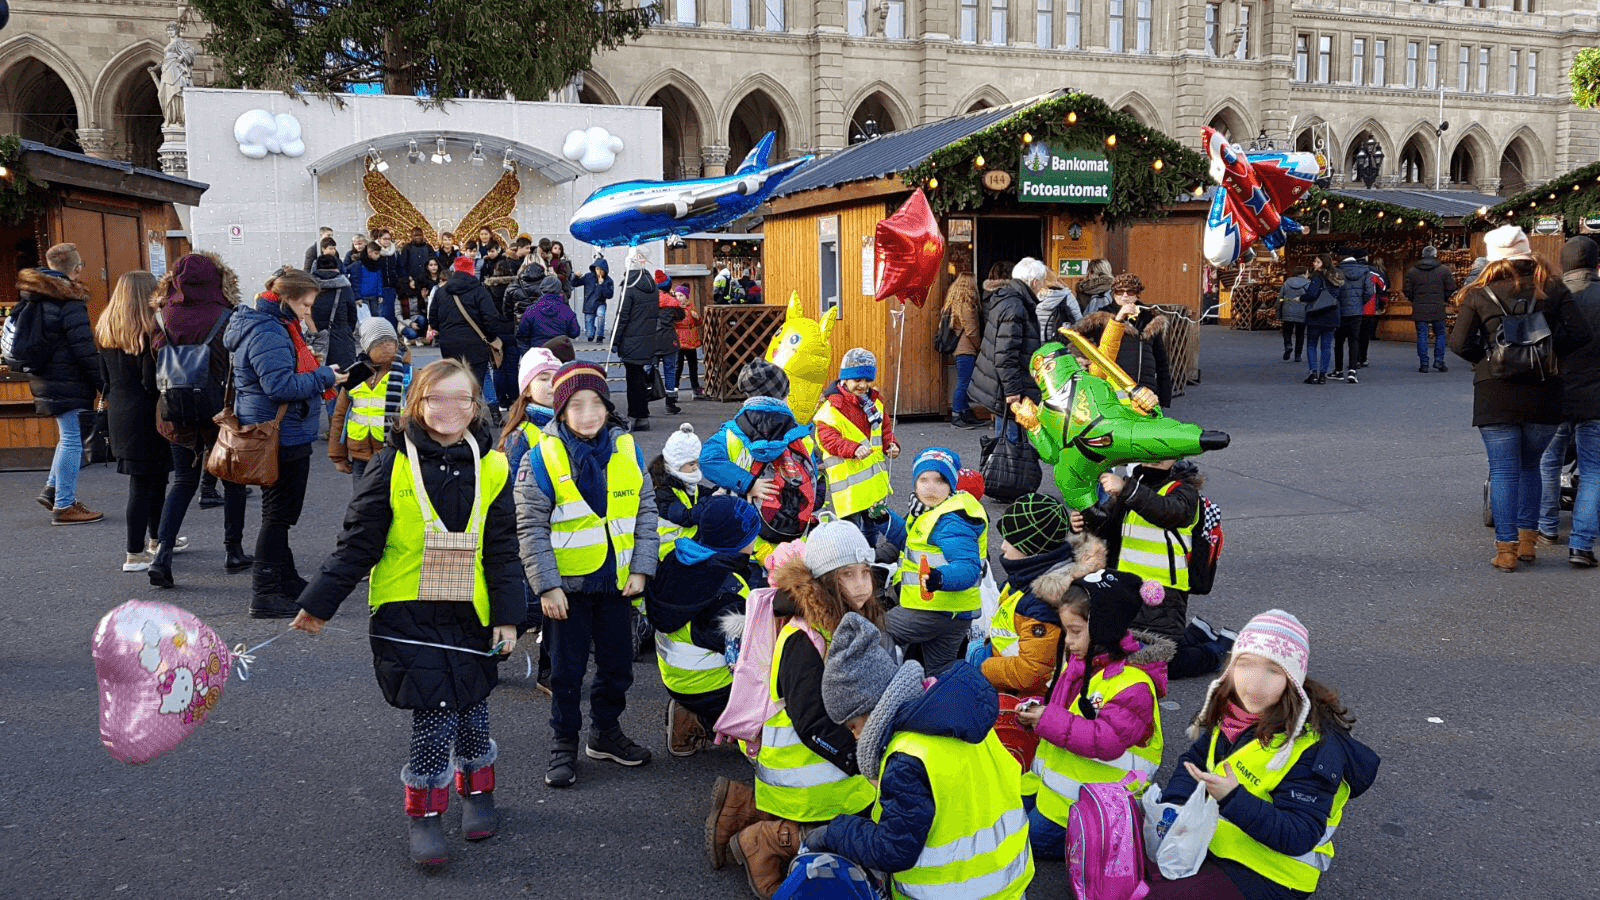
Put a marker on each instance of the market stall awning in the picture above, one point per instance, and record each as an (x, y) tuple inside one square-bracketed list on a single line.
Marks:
[(1574, 196)]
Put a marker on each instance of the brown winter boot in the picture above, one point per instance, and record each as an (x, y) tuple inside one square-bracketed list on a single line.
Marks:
[(733, 809), (765, 849), (1505, 555), (685, 735), (1527, 540)]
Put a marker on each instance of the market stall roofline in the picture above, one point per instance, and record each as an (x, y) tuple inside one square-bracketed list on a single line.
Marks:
[(897, 151), (551, 166), (57, 166), (1444, 204)]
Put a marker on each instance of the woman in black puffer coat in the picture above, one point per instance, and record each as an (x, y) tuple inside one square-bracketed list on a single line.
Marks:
[(446, 689), (636, 340), (68, 382)]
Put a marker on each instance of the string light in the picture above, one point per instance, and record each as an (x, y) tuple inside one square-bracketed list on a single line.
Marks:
[(1072, 119), (933, 184), (1380, 213), (1158, 165), (1111, 140), (979, 161), (1027, 137)]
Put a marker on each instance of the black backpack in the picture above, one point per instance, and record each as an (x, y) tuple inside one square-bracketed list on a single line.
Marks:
[(189, 395), (22, 344), (946, 340), (1522, 343)]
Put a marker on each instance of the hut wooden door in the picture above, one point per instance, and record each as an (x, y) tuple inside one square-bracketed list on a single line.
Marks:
[(111, 245), (1166, 257)]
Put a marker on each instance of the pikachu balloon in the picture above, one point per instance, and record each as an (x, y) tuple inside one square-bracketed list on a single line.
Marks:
[(802, 351)]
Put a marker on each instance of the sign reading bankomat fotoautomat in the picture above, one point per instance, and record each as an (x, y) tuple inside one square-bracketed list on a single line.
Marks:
[(1051, 173)]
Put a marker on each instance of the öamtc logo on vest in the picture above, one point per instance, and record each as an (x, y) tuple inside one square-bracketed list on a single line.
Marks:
[(1050, 173)]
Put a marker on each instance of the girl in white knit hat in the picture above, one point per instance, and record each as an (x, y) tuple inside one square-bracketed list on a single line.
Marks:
[(675, 472), (1274, 748)]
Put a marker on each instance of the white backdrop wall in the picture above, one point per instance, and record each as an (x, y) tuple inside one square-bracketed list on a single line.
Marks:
[(272, 200)]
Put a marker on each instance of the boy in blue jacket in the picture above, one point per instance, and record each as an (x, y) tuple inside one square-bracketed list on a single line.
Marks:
[(598, 289), (947, 533), (949, 820)]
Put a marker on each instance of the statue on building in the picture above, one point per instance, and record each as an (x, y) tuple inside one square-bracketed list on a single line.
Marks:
[(175, 73), (880, 16)]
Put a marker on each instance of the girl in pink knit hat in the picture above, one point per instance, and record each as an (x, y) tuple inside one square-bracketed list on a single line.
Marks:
[(1274, 748)]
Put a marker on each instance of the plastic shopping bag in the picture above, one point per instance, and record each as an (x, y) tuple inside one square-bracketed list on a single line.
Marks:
[(362, 313), (1158, 819), (1184, 847), (989, 605)]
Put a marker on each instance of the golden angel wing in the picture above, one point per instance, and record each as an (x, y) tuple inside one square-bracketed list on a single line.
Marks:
[(391, 210), (494, 210)]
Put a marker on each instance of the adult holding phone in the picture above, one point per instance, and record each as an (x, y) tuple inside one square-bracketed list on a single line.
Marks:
[(273, 366)]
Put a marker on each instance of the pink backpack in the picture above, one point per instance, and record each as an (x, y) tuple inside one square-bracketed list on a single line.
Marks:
[(1105, 843), (750, 702)]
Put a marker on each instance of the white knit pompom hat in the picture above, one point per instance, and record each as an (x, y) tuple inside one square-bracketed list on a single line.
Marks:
[(1280, 637)]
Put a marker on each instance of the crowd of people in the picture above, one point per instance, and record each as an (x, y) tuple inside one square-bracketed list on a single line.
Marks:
[(861, 654)]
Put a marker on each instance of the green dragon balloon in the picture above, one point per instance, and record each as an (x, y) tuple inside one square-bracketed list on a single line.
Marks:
[(1085, 426)]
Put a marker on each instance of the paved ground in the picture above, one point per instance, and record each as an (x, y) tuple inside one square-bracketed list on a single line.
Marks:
[(1356, 507)]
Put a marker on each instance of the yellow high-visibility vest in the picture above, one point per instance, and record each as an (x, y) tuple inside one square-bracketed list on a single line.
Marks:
[(577, 535), (854, 485), (1249, 762), (1061, 772), (365, 415), (689, 669), (918, 532), (1155, 553)]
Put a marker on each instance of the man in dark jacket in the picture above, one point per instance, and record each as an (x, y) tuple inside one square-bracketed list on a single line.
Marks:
[(598, 290), (1010, 335), (457, 337), (68, 381), (334, 314), (1580, 410), (1357, 289), (635, 341), (412, 265), (525, 290), (315, 250), (1429, 286)]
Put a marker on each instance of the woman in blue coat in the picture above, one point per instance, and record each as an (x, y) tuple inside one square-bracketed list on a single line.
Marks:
[(274, 367)]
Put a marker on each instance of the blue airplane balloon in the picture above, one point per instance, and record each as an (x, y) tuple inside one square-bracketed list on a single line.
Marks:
[(634, 212)]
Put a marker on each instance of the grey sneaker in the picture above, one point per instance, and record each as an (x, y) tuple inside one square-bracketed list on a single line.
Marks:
[(617, 747)]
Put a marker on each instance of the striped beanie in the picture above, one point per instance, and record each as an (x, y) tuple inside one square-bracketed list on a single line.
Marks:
[(1280, 637), (940, 460), (580, 376), (858, 362)]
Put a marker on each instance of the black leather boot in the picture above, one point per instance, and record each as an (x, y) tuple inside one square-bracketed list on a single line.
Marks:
[(267, 600), (292, 584), (237, 561), (160, 570)]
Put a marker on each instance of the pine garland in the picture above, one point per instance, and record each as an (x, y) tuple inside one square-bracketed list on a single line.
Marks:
[(21, 195), (1140, 188), (1575, 195)]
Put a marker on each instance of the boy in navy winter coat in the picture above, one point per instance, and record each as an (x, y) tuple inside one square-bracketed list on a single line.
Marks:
[(598, 290)]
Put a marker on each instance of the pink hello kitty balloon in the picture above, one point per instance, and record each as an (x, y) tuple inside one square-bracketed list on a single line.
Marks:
[(161, 672)]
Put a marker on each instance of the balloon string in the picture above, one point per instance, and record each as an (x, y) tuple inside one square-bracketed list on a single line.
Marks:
[(243, 658)]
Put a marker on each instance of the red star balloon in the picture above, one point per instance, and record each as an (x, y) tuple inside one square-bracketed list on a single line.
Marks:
[(909, 251)]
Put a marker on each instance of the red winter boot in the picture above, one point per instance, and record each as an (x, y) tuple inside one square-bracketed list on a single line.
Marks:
[(479, 818), (425, 806)]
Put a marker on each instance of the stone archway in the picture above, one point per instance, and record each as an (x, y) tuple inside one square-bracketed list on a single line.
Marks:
[(875, 114), (42, 106), (682, 134), (756, 114), (1233, 124), (1414, 167), (1514, 165)]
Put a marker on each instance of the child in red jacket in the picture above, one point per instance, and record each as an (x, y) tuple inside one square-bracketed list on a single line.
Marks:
[(857, 438)]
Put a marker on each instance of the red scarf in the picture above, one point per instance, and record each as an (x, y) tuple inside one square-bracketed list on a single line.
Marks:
[(1236, 721), (304, 359)]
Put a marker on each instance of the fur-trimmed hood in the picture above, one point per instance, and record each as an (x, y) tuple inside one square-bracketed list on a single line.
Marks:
[(48, 285), (1089, 555)]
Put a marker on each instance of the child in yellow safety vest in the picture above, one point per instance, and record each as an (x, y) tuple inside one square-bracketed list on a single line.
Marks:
[(438, 476), (1101, 721), (1274, 748), (806, 770), (857, 439), (949, 821), (363, 412), (700, 579), (586, 517), (1020, 655), (947, 542), (525, 421), (677, 479)]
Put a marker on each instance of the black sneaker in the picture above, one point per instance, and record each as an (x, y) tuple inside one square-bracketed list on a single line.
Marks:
[(1441, 366), (563, 771), (641, 425), (1583, 559), (47, 497), (1350, 377), (617, 747), (1311, 378), (1548, 540), (210, 499), (966, 420), (1286, 354), (1422, 369)]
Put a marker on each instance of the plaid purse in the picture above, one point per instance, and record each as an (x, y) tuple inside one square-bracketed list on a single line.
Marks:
[(449, 558)]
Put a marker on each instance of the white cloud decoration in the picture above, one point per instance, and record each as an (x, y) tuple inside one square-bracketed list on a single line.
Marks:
[(595, 149), (260, 132)]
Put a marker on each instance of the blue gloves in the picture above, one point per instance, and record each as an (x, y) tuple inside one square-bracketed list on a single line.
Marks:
[(978, 651)]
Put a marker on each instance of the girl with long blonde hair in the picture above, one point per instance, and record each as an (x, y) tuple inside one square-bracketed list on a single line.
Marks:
[(123, 334)]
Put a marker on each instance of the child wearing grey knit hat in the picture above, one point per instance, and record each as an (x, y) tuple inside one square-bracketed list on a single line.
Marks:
[(862, 687)]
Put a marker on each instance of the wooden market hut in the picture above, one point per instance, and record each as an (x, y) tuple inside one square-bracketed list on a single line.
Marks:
[(121, 217), (1553, 211), (1392, 225), (820, 225)]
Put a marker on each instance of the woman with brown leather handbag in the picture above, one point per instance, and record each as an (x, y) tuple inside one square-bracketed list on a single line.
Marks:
[(276, 376)]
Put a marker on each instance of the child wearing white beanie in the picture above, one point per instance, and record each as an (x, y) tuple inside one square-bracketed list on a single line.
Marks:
[(676, 476)]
